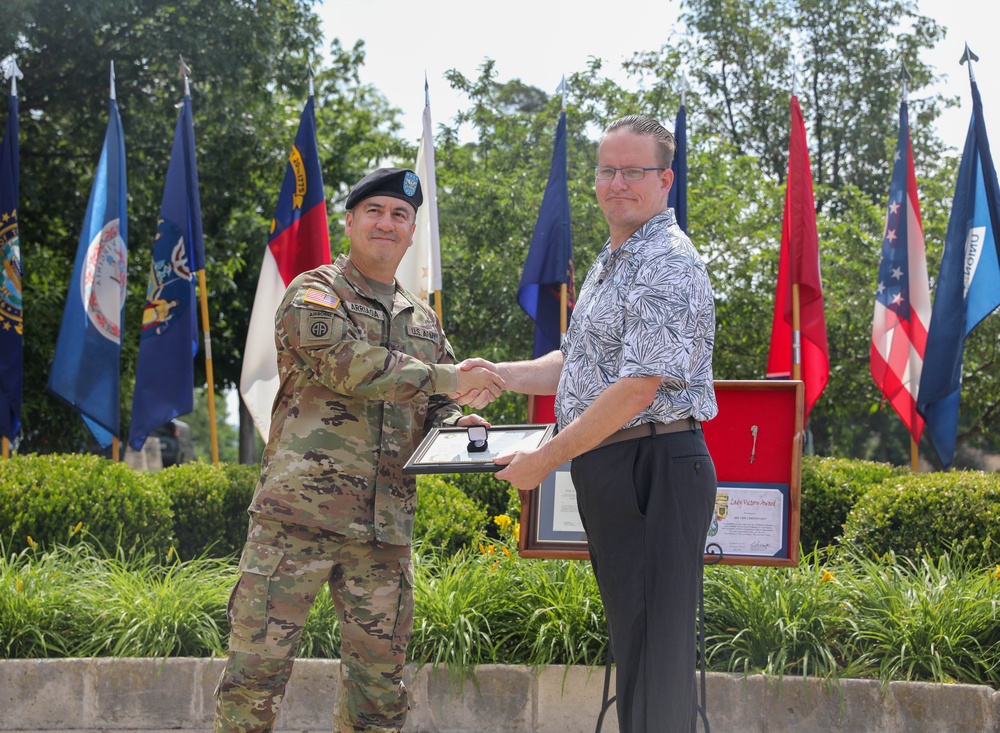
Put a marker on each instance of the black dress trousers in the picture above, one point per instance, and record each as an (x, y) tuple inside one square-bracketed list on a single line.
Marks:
[(646, 505)]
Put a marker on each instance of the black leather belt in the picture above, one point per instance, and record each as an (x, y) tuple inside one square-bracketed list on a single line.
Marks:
[(649, 429)]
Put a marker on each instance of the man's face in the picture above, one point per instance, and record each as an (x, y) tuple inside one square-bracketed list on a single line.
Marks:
[(627, 205), (381, 229)]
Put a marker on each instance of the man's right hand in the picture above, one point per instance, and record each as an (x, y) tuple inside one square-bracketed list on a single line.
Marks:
[(478, 386)]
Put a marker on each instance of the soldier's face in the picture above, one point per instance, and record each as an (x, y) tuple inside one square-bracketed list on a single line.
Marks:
[(381, 229)]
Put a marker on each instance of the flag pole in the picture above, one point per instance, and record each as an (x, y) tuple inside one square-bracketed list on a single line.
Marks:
[(185, 73), (904, 75), (10, 69), (438, 306), (115, 447), (564, 287), (796, 314)]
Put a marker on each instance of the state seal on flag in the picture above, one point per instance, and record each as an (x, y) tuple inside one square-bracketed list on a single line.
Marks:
[(102, 286), (11, 301)]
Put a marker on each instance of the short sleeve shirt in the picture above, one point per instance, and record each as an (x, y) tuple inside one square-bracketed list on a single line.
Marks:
[(645, 309)]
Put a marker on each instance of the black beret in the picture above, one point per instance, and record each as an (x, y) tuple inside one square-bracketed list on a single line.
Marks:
[(399, 183)]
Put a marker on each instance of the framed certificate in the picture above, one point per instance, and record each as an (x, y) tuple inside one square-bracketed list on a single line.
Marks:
[(454, 450)]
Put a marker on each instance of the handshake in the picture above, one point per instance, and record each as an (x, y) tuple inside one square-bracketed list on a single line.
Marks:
[(479, 383)]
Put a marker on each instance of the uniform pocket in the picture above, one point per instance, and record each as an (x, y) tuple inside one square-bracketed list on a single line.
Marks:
[(403, 628), (248, 603)]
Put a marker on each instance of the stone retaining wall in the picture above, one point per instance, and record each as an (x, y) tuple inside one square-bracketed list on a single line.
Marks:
[(154, 696)]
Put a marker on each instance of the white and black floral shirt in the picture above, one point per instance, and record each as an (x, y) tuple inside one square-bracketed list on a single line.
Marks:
[(646, 309)]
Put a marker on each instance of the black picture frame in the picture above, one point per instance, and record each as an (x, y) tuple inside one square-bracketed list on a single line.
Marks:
[(445, 450)]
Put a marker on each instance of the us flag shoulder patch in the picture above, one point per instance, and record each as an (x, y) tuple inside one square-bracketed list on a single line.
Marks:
[(318, 297)]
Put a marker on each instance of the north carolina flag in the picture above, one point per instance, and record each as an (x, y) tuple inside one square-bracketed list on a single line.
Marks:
[(299, 241), (799, 265), (968, 285), (902, 297), (87, 364), (420, 269), (548, 266), (11, 303), (164, 377)]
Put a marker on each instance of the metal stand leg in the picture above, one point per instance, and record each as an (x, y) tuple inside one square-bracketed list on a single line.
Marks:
[(701, 655), (714, 551), (605, 701)]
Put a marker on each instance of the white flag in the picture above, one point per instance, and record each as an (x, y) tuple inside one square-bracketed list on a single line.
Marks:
[(420, 270)]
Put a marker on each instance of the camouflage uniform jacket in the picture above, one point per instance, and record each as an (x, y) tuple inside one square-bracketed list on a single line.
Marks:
[(359, 389)]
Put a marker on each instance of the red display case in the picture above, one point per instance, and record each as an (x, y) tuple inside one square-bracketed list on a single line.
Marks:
[(756, 445)]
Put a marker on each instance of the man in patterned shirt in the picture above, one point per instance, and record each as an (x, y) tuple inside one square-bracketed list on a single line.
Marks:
[(633, 381), (366, 372)]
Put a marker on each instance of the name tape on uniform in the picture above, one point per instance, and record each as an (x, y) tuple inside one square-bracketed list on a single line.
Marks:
[(365, 310)]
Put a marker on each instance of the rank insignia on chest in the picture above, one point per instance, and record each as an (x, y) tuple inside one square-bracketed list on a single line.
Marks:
[(320, 298)]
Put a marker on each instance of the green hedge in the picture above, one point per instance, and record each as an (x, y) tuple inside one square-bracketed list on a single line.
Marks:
[(830, 489), (488, 491), (52, 497), (929, 513), (200, 509), (446, 519), (209, 503)]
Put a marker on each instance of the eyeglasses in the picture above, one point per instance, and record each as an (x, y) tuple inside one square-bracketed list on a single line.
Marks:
[(607, 173)]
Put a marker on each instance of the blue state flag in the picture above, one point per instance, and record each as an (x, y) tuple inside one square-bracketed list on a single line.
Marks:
[(11, 304), (164, 377), (677, 199), (549, 263), (968, 286), (87, 363)]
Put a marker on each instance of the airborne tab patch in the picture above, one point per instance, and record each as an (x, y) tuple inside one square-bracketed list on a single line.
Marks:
[(318, 297)]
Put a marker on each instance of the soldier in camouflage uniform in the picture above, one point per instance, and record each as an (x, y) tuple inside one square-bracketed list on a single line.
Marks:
[(365, 372)]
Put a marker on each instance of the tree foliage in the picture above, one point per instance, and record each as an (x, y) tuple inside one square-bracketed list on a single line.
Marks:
[(250, 66), (742, 58)]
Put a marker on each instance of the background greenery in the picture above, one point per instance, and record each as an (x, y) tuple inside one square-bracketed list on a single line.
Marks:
[(250, 62), (906, 587)]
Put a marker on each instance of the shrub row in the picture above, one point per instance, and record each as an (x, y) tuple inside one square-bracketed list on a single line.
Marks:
[(200, 509), (876, 508)]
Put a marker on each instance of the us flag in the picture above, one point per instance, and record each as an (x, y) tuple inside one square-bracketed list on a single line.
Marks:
[(902, 298)]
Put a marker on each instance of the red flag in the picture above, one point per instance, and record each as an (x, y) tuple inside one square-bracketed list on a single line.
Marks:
[(799, 265), (902, 299), (299, 241)]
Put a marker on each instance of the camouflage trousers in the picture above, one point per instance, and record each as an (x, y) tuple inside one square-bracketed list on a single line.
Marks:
[(282, 568)]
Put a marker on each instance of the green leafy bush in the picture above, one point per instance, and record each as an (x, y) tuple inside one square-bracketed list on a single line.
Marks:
[(446, 518), (929, 513), (209, 504), (830, 489), (51, 497), (492, 494)]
